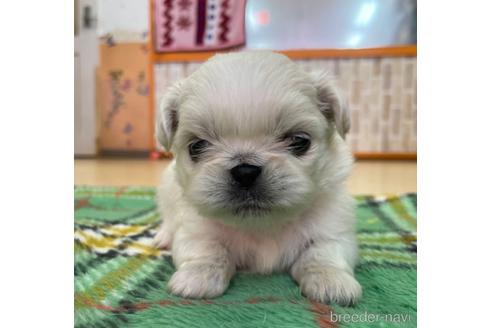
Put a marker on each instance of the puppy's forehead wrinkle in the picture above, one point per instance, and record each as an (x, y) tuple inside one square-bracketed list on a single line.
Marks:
[(248, 158), (298, 122), (220, 120)]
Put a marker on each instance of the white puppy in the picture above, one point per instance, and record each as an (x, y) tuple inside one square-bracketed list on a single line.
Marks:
[(257, 183)]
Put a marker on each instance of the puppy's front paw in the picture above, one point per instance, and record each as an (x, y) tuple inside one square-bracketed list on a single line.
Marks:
[(331, 285), (162, 238), (199, 281)]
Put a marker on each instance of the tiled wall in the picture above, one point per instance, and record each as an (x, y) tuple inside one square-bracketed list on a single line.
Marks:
[(382, 94)]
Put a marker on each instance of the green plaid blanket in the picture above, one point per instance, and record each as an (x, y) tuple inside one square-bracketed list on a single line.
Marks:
[(120, 280)]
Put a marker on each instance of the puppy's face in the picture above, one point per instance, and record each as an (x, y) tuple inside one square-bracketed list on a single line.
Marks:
[(255, 138)]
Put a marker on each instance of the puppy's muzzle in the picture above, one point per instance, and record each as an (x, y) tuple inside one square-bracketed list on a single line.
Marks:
[(245, 175)]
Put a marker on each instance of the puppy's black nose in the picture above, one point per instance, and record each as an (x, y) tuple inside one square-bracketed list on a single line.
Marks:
[(245, 174)]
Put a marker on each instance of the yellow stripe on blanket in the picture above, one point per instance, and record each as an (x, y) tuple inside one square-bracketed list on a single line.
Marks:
[(138, 248), (122, 230), (95, 240)]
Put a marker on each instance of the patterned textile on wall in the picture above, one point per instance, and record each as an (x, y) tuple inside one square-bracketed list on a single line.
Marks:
[(193, 25), (381, 92)]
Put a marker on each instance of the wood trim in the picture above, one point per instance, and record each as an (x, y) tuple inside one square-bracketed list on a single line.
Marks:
[(183, 56), (398, 51), (385, 156)]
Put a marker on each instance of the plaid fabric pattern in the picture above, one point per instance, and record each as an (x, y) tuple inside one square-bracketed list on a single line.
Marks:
[(120, 279)]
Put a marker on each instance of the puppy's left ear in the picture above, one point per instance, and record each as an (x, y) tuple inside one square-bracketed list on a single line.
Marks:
[(168, 116), (331, 103)]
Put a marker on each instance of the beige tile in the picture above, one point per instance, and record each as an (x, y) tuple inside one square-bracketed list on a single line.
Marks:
[(408, 107), (356, 90), (396, 95), (336, 67), (375, 125), (354, 126), (355, 68), (396, 64), (408, 76), (353, 142), (385, 138), (386, 107), (377, 67), (374, 94), (395, 121), (365, 67), (386, 76), (376, 87)]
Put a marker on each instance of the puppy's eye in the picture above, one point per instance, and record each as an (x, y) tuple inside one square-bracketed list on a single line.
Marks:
[(197, 147), (299, 143)]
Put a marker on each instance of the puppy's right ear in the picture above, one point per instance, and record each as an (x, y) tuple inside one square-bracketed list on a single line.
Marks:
[(167, 116), (331, 103)]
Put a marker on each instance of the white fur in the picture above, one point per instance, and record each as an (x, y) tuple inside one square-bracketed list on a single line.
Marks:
[(242, 103)]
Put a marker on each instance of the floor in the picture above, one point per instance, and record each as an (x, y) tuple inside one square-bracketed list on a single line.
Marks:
[(368, 177)]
